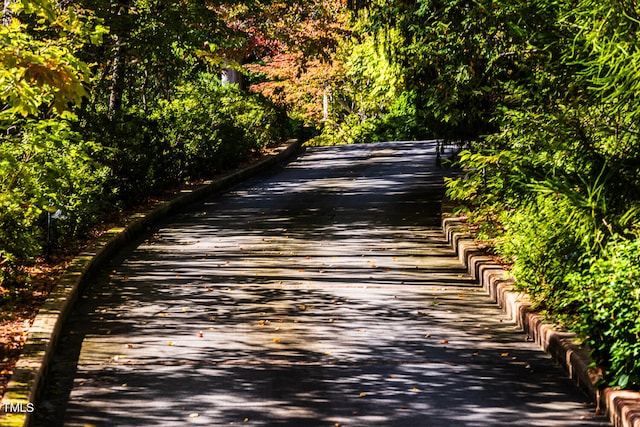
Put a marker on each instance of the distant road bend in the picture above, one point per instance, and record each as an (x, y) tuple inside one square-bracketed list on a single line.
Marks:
[(321, 294)]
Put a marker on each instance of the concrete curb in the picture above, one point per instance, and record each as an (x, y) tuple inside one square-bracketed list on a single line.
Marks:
[(622, 406), (31, 369)]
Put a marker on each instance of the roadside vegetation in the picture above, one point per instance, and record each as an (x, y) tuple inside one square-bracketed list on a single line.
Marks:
[(544, 95), (106, 105)]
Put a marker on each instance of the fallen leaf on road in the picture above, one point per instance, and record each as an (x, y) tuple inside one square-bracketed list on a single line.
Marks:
[(363, 394), (276, 340)]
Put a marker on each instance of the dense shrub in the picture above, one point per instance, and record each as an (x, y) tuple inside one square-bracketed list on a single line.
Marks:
[(46, 167), (204, 128), (77, 171), (607, 296), (543, 247)]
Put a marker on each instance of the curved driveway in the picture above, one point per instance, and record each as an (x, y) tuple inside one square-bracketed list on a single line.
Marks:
[(320, 295)]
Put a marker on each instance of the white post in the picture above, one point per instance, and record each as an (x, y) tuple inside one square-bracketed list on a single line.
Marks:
[(325, 105)]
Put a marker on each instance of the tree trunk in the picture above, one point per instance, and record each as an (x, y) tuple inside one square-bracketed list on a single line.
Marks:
[(231, 76), (119, 65), (117, 78), (6, 13)]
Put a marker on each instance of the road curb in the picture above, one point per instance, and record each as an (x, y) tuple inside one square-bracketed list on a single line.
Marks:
[(621, 406), (25, 384)]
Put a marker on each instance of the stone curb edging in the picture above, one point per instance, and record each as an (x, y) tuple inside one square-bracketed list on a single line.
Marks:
[(622, 406), (31, 369)]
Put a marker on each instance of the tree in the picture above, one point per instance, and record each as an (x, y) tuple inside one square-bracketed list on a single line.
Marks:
[(38, 54), (41, 157)]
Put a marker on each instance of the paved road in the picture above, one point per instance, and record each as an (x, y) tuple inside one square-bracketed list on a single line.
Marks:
[(321, 295)]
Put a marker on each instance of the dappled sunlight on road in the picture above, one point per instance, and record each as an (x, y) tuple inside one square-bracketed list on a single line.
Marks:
[(324, 295)]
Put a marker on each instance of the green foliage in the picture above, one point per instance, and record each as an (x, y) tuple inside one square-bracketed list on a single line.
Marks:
[(369, 102), (40, 68), (46, 167), (607, 296), (542, 239), (45, 164), (209, 126), (204, 129)]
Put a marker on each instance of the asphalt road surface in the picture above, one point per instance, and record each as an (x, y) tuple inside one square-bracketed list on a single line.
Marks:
[(321, 294)]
